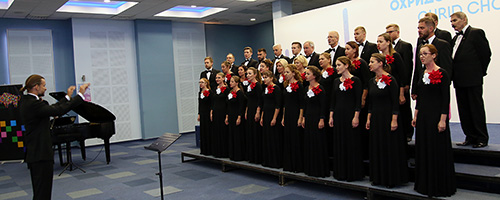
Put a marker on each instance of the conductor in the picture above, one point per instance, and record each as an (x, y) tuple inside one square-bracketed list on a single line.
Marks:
[(36, 114)]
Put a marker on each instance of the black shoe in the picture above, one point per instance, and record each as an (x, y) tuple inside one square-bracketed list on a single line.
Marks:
[(465, 143), (479, 145)]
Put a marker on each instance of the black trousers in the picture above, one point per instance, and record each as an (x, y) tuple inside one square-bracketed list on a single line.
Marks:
[(42, 173), (472, 115)]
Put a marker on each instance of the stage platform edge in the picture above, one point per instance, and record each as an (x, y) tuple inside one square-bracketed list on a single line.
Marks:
[(402, 192)]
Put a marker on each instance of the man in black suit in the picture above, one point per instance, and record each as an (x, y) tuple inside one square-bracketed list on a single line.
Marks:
[(443, 60), (296, 49), (311, 56), (366, 49), (230, 59), (405, 49), (210, 72), (335, 49), (471, 57), (36, 114), (249, 61), (442, 34), (278, 55), (261, 54)]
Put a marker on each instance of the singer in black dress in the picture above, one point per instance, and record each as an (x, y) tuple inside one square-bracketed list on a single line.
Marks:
[(272, 143), (315, 143), (204, 105), (434, 166), (236, 104), (218, 117), (293, 111), (252, 117), (344, 118), (328, 75), (388, 162)]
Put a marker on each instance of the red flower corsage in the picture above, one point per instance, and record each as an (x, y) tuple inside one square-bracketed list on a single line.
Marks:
[(435, 76), (252, 85), (386, 79), (330, 71), (348, 83), (206, 93), (303, 75), (356, 63), (222, 89), (389, 59), (233, 93), (316, 90), (294, 86), (228, 77), (270, 89)]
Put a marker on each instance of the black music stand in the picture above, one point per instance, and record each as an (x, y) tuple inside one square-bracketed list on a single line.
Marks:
[(160, 145)]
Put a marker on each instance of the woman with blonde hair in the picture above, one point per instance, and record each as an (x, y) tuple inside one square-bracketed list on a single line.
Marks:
[(204, 105), (252, 117)]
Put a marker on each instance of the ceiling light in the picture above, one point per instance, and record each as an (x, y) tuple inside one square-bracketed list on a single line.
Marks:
[(190, 12), (193, 6), (107, 1), (252, 19), (5, 4), (96, 7), (248, 0)]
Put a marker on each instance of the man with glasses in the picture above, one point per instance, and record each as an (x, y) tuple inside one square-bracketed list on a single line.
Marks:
[(405, 49)]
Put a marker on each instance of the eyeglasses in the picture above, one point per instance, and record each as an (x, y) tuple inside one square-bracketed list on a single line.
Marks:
[(424, 54), (390, 32)]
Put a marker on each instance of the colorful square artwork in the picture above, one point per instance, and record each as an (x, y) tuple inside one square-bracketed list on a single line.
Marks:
[(19, 133), (13, 123), (20, 144), (8, 128), (14, 139), (22, 128), (0, 140), (2, 123), (4, 134)]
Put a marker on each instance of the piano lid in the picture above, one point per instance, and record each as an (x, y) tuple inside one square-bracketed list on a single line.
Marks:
[(88, 110)]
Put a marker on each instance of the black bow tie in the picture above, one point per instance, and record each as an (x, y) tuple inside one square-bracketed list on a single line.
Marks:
[(276, 57), (208, 70), (460, 33), (361, 44), (308, 56), (424, 42), (331, 50), (247, 60), (393, 43)]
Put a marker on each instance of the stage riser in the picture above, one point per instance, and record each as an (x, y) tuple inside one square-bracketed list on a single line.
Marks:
[(469, 156)]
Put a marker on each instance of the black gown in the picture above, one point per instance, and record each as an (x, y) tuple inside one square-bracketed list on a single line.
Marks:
[(272, 143), (347, 155), (315, 143), (219, 127), (364, 74), (236, 108), (204, 106), (253, 128), (434, 165), (387, 149), (327, 84), (292, 134)]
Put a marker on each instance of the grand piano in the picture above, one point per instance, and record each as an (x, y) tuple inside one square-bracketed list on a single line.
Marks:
[(101, 125)]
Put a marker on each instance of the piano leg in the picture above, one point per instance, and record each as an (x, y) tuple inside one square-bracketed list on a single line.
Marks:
[(106, 147), (68, 156), (59, 149), (82, 149)]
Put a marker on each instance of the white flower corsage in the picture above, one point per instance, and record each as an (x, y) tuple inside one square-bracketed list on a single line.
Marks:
[(230, 96), (325, 74), (342, 87), (310, 93), (245, 82), (426, 79), (218, 91), (202, 96), (266, 91), (249, 89), (289, 89), (381, 84), (281, 79)]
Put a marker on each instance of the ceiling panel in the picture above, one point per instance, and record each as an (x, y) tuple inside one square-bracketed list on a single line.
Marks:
[(238, 13)]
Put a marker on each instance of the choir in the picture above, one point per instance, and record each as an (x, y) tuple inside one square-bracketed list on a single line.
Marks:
[(326, 120)]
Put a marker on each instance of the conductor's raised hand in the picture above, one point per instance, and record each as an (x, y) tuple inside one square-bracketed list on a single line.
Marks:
[(84, 87), (70, 90)]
